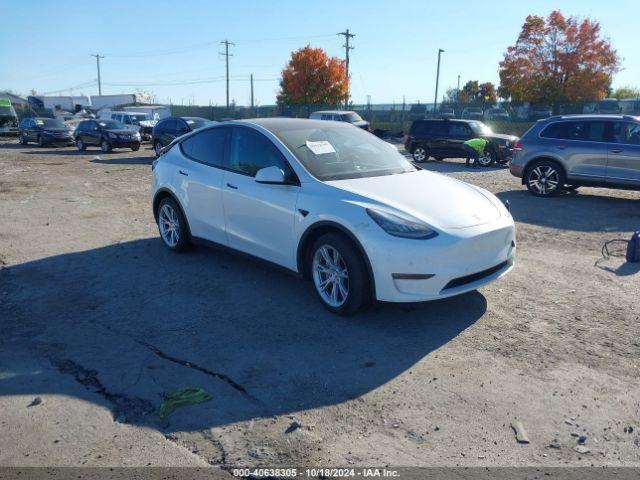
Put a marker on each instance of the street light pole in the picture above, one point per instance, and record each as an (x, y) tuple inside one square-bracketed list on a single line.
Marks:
[(435, 100)]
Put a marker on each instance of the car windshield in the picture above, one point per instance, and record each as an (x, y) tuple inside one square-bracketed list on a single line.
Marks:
[(5, 110), (195, 123), (110, 124), (475, 110), (499, 110), (480, 128), (338, 153), (50, 123), (139, 118), (352, 117)]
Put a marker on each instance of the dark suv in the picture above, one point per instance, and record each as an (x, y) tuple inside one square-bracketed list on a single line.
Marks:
[(445, 138), (565, 152), (107, 134), (44, 131), (168, 129)]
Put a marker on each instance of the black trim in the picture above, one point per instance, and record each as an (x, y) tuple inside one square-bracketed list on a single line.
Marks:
[(474, 277), (412, 276), (336, 226)]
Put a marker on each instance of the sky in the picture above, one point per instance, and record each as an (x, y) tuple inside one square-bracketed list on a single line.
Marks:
[(172, 47)]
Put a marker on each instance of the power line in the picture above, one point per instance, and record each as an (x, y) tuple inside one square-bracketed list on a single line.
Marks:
[(347, 37), (226, 54), (98, 57)]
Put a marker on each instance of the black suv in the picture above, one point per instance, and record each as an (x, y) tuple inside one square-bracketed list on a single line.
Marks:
[(168, 129), (445, 138), (107, 134), (44, 131)]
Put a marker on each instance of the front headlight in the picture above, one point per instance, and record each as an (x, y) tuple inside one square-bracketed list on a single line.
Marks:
[(112, 135), (401, 227)]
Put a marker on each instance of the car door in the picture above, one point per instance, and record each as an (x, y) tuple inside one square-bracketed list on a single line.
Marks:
[(459, 132), (623, 165), (200, 178), (259, 217), (582, 146), (30, 129), (93, 134)]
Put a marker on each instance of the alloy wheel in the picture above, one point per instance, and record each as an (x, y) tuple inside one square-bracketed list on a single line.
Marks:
[(158, 148), (419, 154), (330, 276), (169, 225), (544, 179), (485, 159)]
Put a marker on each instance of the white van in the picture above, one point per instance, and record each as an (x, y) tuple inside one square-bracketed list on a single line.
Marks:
[(139, 122)]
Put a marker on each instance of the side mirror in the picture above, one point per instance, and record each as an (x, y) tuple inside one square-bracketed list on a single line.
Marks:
[(270, 175)]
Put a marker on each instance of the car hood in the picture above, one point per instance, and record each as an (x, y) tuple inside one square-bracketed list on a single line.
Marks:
[(121, 131), (438, 200), (57, 130), (501, 136)]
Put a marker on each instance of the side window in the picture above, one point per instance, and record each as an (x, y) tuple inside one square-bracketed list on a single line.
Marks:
[(181, 127), (595, 132), (555, 130), (339, 118), (325, 117), (421, 128), (169, 126), (127, 120), (252, 151), (459, 130), (113, 116), (627, 133), (207, 147)]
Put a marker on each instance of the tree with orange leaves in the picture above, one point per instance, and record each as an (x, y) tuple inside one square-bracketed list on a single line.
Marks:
[(312, 77), (558, 60)]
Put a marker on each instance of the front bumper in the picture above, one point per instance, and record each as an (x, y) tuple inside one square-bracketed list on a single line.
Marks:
[(51, 140), (458, 261), (124, 143)]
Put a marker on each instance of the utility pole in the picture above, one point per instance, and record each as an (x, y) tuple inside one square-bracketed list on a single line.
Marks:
[(347, 37), (98, 57), (435, 100), (252, 93), (226, 53)]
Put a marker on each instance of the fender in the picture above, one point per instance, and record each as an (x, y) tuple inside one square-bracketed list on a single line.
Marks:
[(161, 192)]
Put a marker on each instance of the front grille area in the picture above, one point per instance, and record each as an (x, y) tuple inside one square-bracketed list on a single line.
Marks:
[(474, 277)]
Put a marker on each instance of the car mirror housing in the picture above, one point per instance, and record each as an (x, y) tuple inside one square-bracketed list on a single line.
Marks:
[(271, 175)]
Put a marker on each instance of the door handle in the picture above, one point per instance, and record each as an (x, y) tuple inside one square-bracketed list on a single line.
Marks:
[(182, 172), (617, 150), (232, 186)]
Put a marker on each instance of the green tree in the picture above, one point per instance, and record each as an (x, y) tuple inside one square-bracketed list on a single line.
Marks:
[(626, 92)]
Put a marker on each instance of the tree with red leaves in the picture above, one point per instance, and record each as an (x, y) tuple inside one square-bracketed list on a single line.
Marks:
[(557, 60), (312, 77)]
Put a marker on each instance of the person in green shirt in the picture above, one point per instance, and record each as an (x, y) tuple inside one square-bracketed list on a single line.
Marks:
[(474, 148)]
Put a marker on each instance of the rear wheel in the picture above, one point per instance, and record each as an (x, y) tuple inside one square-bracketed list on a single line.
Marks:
[(80, 145), (545, 178), (172, 226), (104, 146), (22, 139), (157, 148), (41, 141), (339, 274), (420, 154), (135, 148)]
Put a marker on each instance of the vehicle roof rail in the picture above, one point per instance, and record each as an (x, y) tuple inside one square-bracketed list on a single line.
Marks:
[(629, 117)]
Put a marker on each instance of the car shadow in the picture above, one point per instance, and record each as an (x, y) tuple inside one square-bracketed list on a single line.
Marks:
[(120, 325), (451, 165), (577, 211), (625, 269), (124, 161)]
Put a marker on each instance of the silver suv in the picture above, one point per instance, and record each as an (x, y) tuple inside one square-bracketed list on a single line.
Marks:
[(565, 152)]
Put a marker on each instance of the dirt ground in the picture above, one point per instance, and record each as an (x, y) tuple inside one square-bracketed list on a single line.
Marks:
[(98, 320)]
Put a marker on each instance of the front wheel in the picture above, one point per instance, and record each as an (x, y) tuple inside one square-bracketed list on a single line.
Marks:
[(172, 226), (545, 179), (135, 148), (22, 140), (420, 154), (105, 147), (157, 148), (80, 145), (41, 141), (339, 274), (486, 158)]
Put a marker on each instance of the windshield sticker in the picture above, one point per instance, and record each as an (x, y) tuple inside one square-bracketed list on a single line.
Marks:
[(102, 124), (39, 122), (190, 122), (320, 148)]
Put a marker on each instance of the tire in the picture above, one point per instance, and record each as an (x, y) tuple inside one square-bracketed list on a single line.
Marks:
[(22, 140), (486, 158), (172, 226), (420, 154), (157, 147), (544, 178), (135, 148), (80, 145), (41, 143), (342, 295), (104, 146)]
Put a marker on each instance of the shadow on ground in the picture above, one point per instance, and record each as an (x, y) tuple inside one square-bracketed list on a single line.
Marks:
[(454, 166), (576, 211), (130, 321)]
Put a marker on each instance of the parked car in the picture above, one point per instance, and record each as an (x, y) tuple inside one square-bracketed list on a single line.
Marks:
[(341, 116), (473, 113), (139, 122), (538, 112), (446, 112), (609, 106), (565, 152), (445, 138), (496, 113), (44, 131), (335, 204), (8, 117), (107, 134), (168, 129)]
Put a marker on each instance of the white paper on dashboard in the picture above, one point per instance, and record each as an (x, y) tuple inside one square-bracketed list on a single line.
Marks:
[(321, 147)]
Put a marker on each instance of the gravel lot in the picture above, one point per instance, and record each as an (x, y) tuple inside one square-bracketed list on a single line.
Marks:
[(98, 320)]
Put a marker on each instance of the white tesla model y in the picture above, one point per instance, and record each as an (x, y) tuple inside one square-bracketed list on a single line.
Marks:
[(334, 203)]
